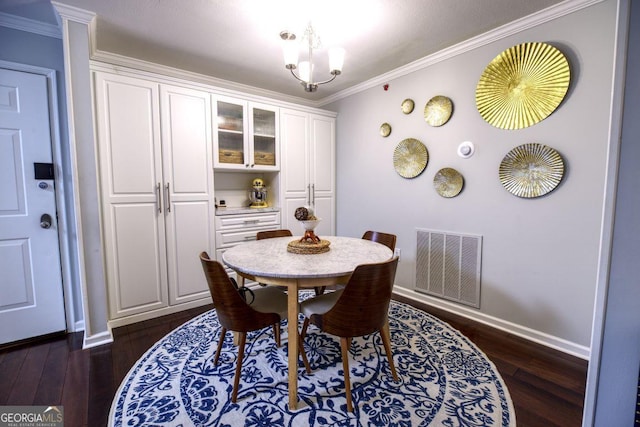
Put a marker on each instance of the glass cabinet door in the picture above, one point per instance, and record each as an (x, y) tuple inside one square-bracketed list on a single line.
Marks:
[(264, 137), (231, 137)]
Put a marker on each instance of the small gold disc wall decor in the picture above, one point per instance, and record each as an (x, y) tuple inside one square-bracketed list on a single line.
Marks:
[(531, 170), (407, 106), (522, 86), (385, 129), (448, 182), (410, 157), (438, 110)]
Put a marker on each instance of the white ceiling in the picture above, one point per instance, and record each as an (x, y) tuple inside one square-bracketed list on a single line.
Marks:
[(238, 40)]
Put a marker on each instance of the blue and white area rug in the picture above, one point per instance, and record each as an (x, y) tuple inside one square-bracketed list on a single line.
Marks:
[(444, 380)]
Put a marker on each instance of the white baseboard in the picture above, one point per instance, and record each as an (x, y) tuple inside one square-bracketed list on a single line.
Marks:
[(140, 317), (78, 326), (521, 331), (97, 339)]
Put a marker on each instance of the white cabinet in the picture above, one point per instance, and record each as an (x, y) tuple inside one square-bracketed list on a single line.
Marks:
[(307, 143), (246, 135), (238, 228), (156, 177)]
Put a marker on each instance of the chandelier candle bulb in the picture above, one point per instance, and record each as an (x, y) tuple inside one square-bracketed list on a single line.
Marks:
[(336, 60)]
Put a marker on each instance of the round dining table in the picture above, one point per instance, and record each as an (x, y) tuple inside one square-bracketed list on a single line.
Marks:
[(268, 261)]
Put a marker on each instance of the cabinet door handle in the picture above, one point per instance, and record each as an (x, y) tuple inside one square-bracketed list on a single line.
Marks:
[(308, 194), (158, 198), (168, 197), (313, 191)]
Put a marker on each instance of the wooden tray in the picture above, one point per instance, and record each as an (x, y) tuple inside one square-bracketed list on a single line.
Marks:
[(307, 248)]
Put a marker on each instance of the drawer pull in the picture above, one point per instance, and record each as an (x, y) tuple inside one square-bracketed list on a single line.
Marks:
[(251, 221)]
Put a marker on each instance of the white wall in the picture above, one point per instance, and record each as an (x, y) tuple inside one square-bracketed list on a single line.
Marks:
[(615, 377), (540, 256)]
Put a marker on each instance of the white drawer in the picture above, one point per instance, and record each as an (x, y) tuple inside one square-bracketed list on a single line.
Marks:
[(233, 222), (232, 238)]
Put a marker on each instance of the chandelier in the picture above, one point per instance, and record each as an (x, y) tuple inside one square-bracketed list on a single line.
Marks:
[(305, 68)]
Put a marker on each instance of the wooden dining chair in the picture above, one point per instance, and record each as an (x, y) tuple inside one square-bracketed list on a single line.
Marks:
[(267, 307), (269, 234), (389, 240), (361, 308)]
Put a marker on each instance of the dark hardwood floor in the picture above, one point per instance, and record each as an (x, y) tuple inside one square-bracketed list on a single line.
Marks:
[(547, 386)]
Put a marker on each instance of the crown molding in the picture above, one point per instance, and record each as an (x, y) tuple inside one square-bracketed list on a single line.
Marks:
[(73, 13), (29, 25), (102, 58), (514, 27), (115, 63)]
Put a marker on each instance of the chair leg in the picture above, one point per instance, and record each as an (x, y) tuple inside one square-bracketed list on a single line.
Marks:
[(236, 380), (303, 354), (276, 333), (305, 325), (384, 332), (319, 290), (223, 333), (344, 346)]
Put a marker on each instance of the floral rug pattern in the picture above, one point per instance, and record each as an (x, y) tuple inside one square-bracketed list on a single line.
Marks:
[(444, 380)]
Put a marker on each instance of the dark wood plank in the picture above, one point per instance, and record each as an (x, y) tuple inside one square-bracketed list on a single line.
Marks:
[(29, 376), (9, 369), (102, 386), (49, 390), (75, 391)]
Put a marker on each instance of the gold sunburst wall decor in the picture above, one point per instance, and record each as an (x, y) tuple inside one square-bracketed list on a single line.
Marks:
[(531, 170), (410, 157), (438, 110), (448, 182), (522, 86)]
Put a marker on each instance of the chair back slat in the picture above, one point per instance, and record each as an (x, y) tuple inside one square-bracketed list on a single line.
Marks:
[(364, 304), (269, 234), (389, 240), (233, 312)]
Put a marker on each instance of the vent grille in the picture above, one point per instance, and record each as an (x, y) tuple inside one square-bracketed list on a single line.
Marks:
[(448, 266)]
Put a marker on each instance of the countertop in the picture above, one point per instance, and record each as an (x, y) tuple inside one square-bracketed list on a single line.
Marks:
[(244, 211)]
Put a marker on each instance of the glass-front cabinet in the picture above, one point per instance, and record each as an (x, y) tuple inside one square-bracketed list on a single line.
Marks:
[(246, 136)]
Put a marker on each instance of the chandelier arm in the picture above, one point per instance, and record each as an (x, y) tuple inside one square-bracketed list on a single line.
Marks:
[(294, 75), (328, 80)]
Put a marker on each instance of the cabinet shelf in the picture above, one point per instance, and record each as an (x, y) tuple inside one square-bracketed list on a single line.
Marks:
[(235, 132)]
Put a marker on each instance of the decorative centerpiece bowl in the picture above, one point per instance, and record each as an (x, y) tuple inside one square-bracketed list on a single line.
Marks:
[(309, 243), (309, 227), (310, 224)]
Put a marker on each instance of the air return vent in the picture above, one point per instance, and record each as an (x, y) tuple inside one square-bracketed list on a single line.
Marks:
[(448, 266)]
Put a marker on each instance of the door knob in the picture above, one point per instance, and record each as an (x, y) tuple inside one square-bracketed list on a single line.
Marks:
[(45, 221)]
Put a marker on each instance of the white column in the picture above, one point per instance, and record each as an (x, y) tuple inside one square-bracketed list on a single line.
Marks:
[(77, 36)]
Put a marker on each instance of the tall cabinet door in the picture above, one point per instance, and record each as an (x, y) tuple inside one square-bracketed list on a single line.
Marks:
[(308, 168), (294, 173), (187, 189), (322, 171), (128, 123)]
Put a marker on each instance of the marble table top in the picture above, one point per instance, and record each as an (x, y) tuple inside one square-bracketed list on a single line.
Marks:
[(269, 258)]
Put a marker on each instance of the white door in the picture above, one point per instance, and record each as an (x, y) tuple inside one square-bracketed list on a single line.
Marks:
[(188, 185), (294, 173), (323, 172), (31, 299), (133, 206)]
